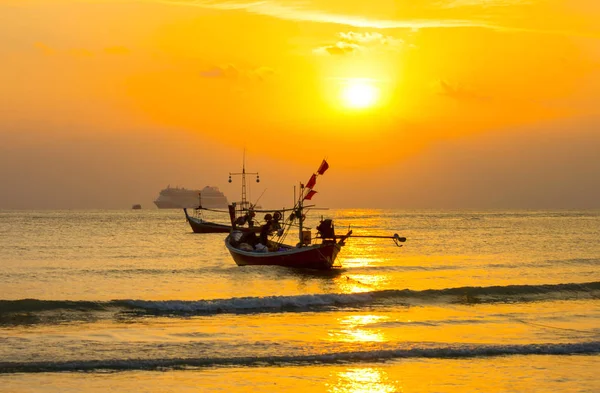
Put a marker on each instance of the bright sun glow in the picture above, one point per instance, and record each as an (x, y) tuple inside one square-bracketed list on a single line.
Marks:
[(359, 94)]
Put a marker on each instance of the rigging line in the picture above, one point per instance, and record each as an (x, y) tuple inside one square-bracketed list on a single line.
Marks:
[(339, 263), (278, 210), (212, 210), (287, 229), (260, 196), (555, 327), (322, 255)]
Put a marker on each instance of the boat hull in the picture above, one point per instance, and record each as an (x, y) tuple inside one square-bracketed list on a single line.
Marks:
[(201, 226), (319, 256)]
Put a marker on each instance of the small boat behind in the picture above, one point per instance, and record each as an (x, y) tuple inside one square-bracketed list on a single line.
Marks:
[(199, 225), (269, 247), (243, 214)]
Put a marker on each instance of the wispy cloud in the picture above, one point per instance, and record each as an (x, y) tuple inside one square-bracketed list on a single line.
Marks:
[(352, 42), (45, 49), (299, 12), (481, 3), (459, 93)]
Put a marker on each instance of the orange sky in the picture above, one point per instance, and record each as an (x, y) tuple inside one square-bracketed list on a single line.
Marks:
[(478, 103)]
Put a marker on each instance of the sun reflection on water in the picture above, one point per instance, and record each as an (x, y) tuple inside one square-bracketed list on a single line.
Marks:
[(353, 329), (364, 380), (357, 283)]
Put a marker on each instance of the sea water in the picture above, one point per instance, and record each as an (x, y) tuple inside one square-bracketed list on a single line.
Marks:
[(132, 300)]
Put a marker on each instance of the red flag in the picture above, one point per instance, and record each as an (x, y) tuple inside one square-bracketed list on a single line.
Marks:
[(311, 183), (310, 194), (324, 166)]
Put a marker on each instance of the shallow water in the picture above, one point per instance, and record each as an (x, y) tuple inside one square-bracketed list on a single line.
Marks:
[(496, 301)]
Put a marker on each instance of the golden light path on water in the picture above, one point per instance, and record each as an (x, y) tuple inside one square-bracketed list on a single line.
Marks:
[(364, 380), (354, 328)]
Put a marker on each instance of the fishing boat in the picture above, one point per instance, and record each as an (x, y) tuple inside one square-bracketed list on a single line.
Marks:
[(270, 248), (244, 210), (200, 225)]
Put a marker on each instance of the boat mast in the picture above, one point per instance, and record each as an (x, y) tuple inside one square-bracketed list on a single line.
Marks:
[(244, 203), (300, 219), (244, 180)]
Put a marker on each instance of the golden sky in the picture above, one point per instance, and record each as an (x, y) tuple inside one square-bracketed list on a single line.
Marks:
[(441, 103)]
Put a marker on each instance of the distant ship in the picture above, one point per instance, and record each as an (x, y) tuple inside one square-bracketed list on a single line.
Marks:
[(178, 198)]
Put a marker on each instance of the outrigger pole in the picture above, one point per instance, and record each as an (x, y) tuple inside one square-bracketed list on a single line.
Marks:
[(396, 238)]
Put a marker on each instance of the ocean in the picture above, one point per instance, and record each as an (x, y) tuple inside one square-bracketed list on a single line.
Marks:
[(133, 301)]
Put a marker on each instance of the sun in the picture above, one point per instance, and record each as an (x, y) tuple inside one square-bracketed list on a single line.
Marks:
[(359, 94)]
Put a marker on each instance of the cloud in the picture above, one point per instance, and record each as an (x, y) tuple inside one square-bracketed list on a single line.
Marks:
[(339, 48), (481, 3), (459, 93), (487, 14), (298, 12), (352, 42), (261, 73), (370, 38), (230, 71), (45, 49)]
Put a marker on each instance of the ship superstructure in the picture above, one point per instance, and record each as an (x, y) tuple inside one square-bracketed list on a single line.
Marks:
[(179, 197)]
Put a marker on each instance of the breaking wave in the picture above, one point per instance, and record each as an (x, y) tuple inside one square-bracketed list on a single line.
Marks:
[(444, 352), (27, 310)]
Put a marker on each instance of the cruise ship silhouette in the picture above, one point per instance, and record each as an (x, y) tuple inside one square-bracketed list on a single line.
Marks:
[(179, 197)]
